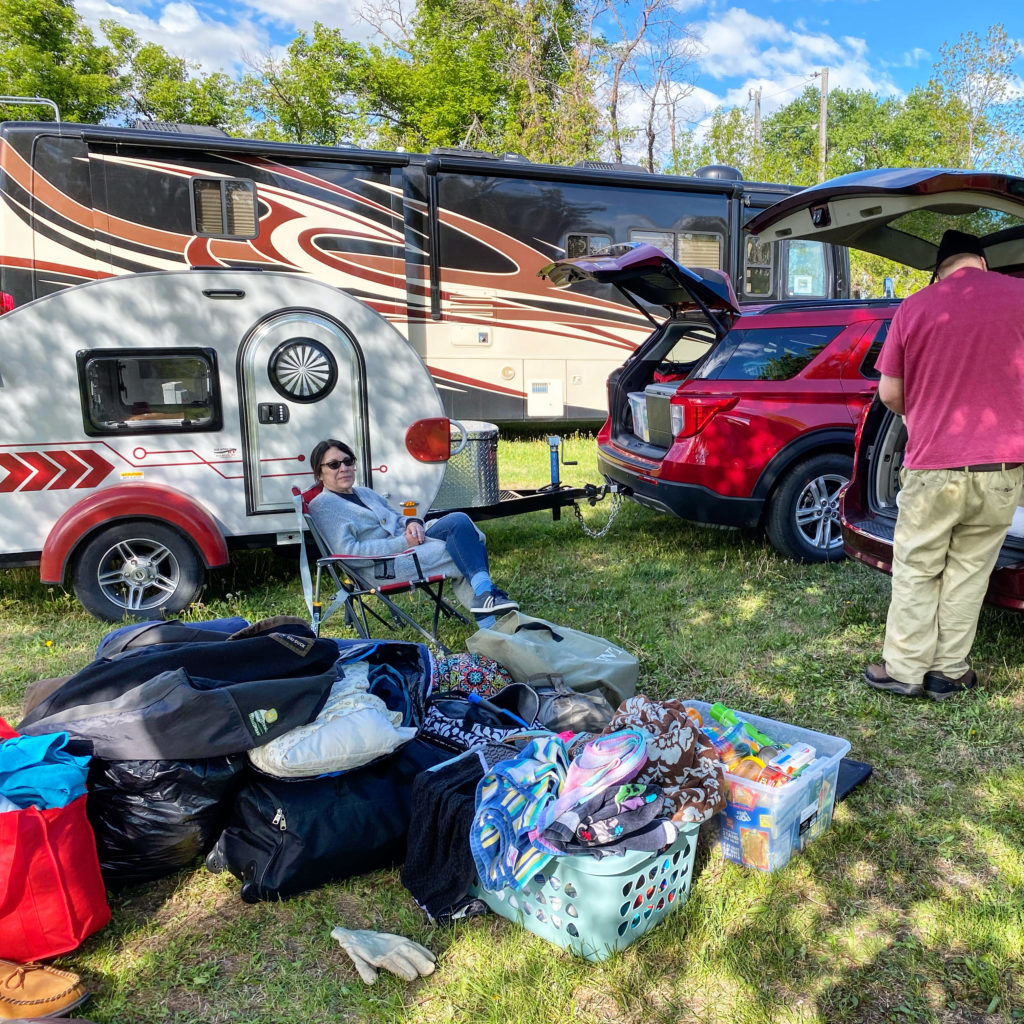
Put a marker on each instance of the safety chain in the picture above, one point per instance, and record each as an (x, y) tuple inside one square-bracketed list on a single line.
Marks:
[(616, 499)]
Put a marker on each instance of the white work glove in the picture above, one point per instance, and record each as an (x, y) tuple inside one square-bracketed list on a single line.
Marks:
[(395, 953)]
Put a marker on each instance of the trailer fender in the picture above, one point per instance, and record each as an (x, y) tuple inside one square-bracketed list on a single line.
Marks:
[(130, 501)]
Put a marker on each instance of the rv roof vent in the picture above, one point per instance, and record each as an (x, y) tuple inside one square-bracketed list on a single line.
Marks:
[(720, 171), (607, 165), (479, 154), (182, 129)]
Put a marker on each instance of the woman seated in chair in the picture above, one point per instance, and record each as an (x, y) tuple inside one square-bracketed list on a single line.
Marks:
[(357, 521)]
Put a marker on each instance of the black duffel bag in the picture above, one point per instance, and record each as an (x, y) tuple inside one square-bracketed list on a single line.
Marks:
[(284, 837)]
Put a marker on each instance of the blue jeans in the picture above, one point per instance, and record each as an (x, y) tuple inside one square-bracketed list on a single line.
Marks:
[(462, 541)]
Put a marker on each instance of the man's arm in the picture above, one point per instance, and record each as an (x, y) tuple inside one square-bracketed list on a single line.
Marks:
[(890, 391)]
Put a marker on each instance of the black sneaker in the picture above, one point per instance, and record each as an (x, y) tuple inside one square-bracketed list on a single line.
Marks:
[(939, 686), (876, 676), (493, 602)]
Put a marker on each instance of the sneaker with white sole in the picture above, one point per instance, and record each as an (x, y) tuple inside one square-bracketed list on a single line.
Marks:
[(493, 603)]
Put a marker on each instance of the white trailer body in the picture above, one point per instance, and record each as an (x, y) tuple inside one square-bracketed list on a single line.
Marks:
[(189, 401)]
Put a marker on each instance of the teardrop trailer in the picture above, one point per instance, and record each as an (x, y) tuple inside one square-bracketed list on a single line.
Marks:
[(157, 421)]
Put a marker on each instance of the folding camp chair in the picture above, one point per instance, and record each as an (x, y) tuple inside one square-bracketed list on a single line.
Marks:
[(355, 581)]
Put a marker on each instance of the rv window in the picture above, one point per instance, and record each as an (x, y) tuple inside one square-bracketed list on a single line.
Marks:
[(758, 267), (127, 391), (585, 245), (663, 240), (699, 249), (805, 273), (225, 208)]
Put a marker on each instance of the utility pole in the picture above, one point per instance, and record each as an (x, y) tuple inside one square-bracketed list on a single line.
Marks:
[(755, 95), (823, 125)]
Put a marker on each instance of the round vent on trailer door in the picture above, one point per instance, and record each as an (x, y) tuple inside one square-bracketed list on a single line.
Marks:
[(303, 370)]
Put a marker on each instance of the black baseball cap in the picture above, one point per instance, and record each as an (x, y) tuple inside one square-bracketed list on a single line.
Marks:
[(958, 243)]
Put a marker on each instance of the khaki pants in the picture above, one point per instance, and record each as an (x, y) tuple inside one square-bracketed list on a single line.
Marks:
[(949, 530)]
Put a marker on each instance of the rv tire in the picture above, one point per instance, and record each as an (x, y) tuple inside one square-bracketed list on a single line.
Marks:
[(137, 570)]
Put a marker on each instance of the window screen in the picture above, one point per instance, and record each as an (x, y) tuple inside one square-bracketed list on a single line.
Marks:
[(805, 274), (224, 207), (768, 354), (149, 391), (699, 249)]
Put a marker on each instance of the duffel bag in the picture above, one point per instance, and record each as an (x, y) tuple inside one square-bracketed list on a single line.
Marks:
[(527, 646), (288, 836)]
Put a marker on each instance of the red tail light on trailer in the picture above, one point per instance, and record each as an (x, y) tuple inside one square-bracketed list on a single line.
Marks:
[(6, 302), (430, 440)]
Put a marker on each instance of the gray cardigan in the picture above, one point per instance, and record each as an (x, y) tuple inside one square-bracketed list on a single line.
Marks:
[(378, 529)]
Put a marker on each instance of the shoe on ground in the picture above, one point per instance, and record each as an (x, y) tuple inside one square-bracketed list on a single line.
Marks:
[(878, 677), (28, 991), (939, 686), (493, 602)]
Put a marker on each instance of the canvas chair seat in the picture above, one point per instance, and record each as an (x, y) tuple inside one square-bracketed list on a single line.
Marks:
[(359, 581)]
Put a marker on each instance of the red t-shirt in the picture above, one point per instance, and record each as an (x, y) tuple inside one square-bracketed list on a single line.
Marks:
[(959, 347)]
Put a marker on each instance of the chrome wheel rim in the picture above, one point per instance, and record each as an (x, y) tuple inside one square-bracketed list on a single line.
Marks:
[(817, 512), (138, 574)]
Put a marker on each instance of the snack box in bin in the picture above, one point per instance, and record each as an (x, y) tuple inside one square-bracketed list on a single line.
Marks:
[(761, 825)]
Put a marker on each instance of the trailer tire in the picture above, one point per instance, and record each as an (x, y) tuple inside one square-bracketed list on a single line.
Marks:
[(802, 521), (139, 569)]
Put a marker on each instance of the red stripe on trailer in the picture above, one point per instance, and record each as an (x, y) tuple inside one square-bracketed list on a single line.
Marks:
[(130, 501), (44, 470), (17, 472)]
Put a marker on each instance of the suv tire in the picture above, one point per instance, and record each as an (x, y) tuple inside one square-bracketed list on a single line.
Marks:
[(803, 512), (137, 569)]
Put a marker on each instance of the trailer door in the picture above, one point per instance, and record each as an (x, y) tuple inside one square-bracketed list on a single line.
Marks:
[(301, 378)]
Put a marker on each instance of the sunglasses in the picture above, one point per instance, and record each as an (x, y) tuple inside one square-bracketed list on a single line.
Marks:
[(338, 463)]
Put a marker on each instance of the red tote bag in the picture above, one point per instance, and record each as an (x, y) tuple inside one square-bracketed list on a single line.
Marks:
[(51, 891)]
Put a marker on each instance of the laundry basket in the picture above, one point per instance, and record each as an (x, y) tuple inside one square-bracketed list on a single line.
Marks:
[(595, 907)]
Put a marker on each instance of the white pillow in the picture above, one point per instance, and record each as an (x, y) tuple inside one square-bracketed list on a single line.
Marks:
[(353, 728)]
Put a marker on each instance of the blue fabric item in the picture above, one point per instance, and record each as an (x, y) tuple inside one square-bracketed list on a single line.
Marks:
[(510, 802), (36, 771), (463, 542), (231, 624), (481, 583), (389, 685)]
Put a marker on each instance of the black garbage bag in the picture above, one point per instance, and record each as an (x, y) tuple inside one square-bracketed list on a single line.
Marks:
[(153, 817)]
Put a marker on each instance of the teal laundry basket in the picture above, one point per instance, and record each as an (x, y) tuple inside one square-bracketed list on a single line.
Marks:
[(595, 907)]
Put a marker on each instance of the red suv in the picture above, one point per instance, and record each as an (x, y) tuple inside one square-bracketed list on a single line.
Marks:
[(901, 214), (740, 420)]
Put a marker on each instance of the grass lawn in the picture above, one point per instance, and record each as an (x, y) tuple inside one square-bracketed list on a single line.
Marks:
[(911, 908)]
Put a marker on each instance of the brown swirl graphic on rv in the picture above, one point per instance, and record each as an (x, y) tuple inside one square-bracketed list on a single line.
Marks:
[(307, 234)]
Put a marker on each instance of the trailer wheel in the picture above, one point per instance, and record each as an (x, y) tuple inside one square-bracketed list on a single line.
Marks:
[(803, 515), (137, 570)]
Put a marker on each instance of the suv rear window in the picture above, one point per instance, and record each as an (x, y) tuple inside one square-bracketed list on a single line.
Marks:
[(777, 353)]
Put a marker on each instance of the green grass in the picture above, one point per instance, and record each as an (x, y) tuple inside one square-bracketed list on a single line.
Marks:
[(911, 908)]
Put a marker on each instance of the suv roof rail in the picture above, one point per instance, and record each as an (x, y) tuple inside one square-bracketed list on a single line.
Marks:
[(795, 304)]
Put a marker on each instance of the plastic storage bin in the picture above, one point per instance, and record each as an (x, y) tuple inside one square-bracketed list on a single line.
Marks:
[(595, 907), (761, 827), (638, 409)]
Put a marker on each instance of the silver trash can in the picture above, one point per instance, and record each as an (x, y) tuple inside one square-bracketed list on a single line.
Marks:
[(471, 477)]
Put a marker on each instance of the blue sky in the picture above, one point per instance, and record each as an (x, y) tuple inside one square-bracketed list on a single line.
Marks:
[(887, 46)]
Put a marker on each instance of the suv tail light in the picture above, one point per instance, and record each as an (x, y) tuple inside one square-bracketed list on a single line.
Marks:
[(430, 440), (690, 414)]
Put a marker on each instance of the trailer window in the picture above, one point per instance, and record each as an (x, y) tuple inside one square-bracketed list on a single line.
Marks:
[(758, 268), (149, 391), (585, 245), (224, 207), (699, 249), (663, 240), (805, 269)]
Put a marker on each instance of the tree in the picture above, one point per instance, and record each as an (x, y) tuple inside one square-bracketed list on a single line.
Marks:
[(156, 86), (46, 50), (309, 95), (979, 77)]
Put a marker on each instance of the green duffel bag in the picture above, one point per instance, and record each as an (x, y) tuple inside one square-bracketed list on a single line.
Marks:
[(528, 647)]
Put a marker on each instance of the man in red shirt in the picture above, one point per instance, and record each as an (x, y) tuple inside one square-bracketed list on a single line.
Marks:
[(953, 365)]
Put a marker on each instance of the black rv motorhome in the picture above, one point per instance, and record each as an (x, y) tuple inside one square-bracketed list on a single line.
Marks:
[(446, 245)]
